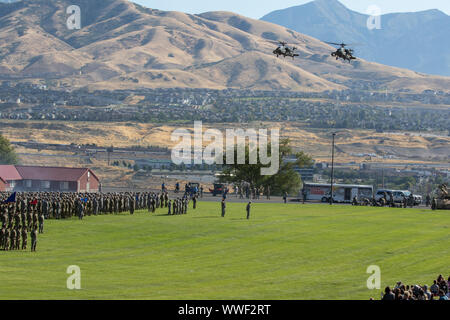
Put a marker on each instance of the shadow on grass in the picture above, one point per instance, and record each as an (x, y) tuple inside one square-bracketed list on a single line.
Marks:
[(166, 215), (208, 217)]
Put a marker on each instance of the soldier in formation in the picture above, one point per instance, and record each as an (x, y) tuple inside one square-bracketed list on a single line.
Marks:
[(17, 220), (27, 214)]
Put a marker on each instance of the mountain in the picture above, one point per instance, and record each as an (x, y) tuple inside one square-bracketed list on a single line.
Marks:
[(122, 45), (417, 41)]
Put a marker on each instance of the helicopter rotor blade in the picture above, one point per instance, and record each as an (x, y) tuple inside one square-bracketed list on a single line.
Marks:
[(274, 41), (333, 43), (344, 44)]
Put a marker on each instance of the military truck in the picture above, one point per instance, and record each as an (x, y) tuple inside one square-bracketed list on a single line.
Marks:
[(219, 188), (442, 201)]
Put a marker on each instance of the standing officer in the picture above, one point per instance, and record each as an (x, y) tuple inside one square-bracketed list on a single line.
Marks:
[(305, 194), (194, 202), (249, 206), (224, 206), (428, 200)]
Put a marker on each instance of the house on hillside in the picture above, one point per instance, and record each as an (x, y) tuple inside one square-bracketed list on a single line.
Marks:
[(49, 179)]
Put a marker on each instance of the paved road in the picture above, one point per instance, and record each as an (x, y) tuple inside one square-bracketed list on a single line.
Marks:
[(208, 197), (292, 200)]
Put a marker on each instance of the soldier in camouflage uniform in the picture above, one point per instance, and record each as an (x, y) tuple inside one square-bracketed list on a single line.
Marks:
[(24, 238), (12, 244), (2, 236), (33, 239), (41, 223), (18, 237), (6, 239), (132, 205)]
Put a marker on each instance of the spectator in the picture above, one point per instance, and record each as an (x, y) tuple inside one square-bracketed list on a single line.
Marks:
[(388, 295), (443, 285), (427, 292), (407, 296), (448, 287), (442, 295), (439, 290), (434, 288)]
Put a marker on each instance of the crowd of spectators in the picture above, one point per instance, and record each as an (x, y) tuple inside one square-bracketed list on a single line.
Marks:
[(439, 290)]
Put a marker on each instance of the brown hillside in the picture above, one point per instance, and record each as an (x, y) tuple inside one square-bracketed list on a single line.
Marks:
[(123, 45)]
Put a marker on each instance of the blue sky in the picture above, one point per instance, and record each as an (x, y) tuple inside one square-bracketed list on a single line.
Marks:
[(258, 8)]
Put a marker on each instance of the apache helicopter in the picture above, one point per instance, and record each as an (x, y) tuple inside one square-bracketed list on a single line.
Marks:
[(285, 51), (342, 52)]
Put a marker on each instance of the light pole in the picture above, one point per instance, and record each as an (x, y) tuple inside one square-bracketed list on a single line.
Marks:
[(332, 170)]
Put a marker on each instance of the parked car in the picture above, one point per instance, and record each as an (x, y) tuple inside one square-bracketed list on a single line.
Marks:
[(380, 194), (400, 195)]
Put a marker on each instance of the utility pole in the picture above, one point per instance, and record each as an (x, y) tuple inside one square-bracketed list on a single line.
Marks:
[(109, 151), (332, 170)]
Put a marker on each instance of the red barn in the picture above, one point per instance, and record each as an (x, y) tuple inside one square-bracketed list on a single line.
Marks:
[(53, 179), (2, 185), (10, 175)]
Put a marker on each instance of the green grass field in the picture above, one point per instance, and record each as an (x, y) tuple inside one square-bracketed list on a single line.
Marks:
[(284, 252)]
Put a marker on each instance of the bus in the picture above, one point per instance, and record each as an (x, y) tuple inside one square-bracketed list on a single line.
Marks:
[(343, 193)]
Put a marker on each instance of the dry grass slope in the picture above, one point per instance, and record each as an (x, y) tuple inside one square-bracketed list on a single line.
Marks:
[(122, 45)]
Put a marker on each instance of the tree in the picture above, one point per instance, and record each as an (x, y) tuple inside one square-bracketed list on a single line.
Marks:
[(7, 153), (286, 180)]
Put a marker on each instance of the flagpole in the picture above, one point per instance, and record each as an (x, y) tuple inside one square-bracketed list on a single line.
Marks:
[(332, 170)]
